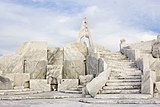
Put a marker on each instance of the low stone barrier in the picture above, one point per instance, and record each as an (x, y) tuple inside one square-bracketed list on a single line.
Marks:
[(132, 54)]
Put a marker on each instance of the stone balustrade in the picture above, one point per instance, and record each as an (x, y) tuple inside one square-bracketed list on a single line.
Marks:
[(143, 62)]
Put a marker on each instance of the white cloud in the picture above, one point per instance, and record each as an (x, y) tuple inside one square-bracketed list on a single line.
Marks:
[(109, 21)]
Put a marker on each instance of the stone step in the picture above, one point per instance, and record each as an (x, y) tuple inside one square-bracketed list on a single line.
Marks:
[(123, 101), (119, 63), (124, 80), (123, 96), (115, 58), (123, 65), (120, 87), (16, 90), (133, 91), (112, 53), (124, 74), (71, 92), (120, 66), (75, 89), (19, 92), (126, 69), (123, 84), (78, 88), (127, 77)]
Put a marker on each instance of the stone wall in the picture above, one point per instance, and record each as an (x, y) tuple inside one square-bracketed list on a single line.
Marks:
[(73, 68), (36, 69), (143, 46), (74, 60), (29, 62), (28, 51), (11, 63), (34, 62)]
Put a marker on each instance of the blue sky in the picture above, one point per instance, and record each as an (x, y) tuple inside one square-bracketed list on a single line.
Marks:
[(58, 21)]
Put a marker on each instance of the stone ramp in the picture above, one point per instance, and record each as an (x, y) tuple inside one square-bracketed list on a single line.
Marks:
[(124, 78)]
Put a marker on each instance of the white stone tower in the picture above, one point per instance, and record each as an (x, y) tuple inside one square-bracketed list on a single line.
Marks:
[(85, 33)]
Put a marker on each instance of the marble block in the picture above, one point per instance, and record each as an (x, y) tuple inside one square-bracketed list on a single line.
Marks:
[(85, 79), (18, 79), (19, 87), (55, 56), (102, 65), (75, 51), (5, 83), (37, 69), (132, 54), (11, 64), (34, 50), (147, 84), (158, 86), (73, 69), (10, 76), (156, 50), (54, 73), (98, 82), (92, 64), (66, 84), (155, 66), (39, 85)]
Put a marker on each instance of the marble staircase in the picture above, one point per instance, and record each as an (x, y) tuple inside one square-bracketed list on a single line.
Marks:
[(125, 78)]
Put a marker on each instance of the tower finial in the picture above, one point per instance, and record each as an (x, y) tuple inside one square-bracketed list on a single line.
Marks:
[(85, 33)]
